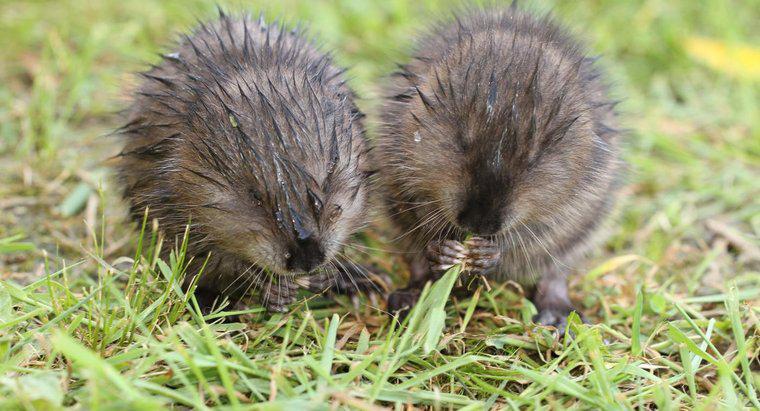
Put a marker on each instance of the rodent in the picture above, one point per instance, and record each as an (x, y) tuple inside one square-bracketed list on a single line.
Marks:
[(249, 133), (499, 127)]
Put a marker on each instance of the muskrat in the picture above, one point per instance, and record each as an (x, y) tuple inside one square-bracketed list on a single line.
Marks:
[(499, 128), (249, 135)]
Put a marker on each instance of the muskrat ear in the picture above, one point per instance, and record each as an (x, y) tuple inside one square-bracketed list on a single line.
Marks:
[(255, 195), (367, 174), (335, 212)]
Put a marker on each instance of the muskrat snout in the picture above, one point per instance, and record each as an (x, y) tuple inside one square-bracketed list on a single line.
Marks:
[(481, 214), (304, 255), (480, 225)]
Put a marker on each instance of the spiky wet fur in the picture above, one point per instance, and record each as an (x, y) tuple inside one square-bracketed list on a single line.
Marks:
[(500, 115), (248, 133)]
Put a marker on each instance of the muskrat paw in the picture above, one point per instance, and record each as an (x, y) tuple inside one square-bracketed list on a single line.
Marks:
[(556, 317), (482, 255), (276, 297), (400, 302), (445, 254), (351, 279), (210, 301), (277, 304), (207, 300)]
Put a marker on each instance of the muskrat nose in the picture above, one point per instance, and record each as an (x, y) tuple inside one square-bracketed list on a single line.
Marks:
[(304, 255), (477, 222)]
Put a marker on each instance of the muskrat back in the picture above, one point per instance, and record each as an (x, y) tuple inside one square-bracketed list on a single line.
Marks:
[(249, 134), (499, 127)]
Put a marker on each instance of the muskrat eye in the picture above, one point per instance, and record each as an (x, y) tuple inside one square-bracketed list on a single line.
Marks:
[(335, 212), (255, 195)]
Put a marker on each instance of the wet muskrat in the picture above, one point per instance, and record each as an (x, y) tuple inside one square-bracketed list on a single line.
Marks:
[(500, 128), (249, 134)]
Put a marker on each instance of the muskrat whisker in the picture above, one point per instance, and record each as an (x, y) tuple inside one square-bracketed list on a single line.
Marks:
[(364, 272), (239, 276), (424, 221), (343, 272), (363, 249), (418, 205), (541, 243)]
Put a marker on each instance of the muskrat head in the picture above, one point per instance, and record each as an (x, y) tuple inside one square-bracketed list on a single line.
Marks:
[(285, 204), (288, 227), (497, 145)]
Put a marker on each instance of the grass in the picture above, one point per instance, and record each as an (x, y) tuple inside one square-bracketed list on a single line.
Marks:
[(91, 318)]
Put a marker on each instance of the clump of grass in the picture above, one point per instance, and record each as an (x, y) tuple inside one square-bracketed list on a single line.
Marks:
[(134, 338)]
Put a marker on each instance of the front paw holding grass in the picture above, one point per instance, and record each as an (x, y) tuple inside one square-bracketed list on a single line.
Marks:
[(477, 255)]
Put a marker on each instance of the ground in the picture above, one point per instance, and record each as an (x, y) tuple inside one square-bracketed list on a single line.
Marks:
[(90, 319)]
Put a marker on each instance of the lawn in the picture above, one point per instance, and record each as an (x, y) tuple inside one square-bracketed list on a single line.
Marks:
[(90, 318)]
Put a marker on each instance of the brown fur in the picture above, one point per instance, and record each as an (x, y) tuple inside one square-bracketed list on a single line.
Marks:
[(250, 134), (500, 126)]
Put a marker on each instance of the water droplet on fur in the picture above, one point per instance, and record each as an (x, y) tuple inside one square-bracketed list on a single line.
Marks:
[(417, 137)]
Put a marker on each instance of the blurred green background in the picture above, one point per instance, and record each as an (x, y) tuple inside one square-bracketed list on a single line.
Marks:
[(687, 72)]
